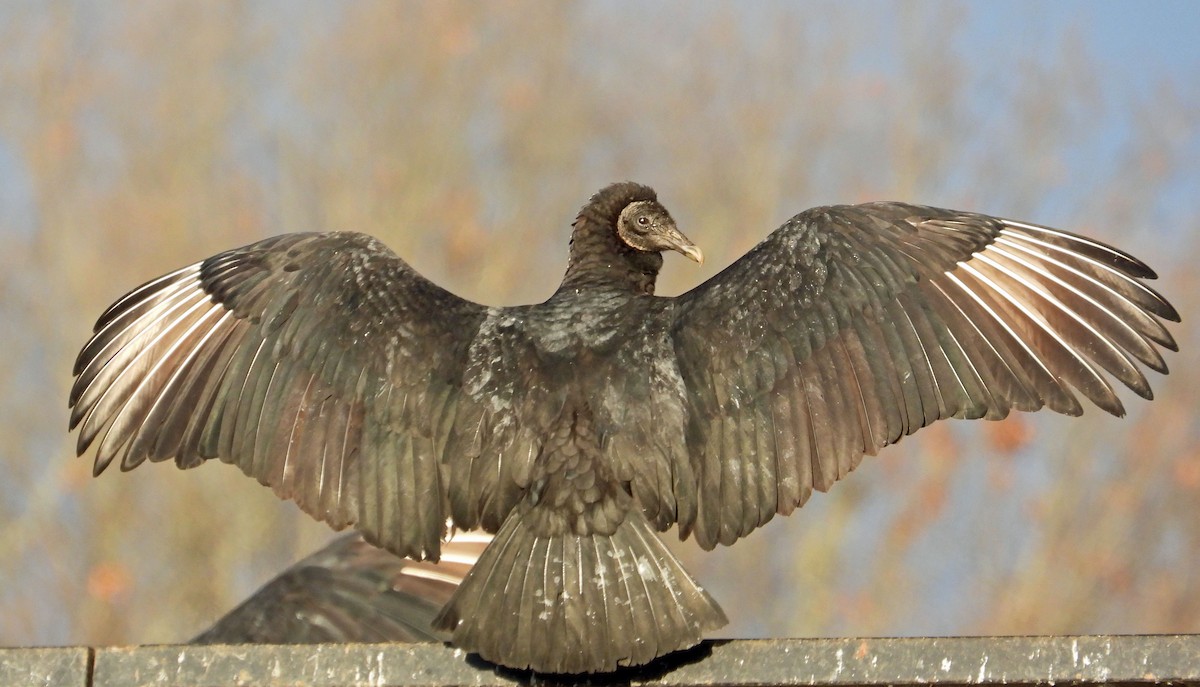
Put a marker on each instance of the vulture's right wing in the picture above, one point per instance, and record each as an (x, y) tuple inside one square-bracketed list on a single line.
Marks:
[(853, 326)]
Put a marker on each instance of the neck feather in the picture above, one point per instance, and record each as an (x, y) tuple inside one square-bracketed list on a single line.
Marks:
[(598, 259)]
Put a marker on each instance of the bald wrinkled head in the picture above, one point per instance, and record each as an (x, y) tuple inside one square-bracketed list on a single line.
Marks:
[(646, 225)]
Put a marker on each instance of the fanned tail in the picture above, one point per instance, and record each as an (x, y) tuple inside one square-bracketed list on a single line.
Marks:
[(569, 603)]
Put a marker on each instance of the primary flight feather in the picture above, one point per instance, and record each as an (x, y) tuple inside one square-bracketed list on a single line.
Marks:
[(327, 368)]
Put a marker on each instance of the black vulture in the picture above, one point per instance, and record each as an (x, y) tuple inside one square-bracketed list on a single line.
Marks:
[(350, 591), (575, 429)]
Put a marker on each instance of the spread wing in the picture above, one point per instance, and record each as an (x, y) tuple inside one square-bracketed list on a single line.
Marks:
[(320, 364), (853, 326), (350, 591)]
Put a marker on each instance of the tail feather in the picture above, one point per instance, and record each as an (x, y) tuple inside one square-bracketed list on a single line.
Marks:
[(569, 603)]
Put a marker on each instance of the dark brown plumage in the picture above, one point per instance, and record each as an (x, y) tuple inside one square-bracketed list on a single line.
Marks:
[(350, 591), (327, 368)]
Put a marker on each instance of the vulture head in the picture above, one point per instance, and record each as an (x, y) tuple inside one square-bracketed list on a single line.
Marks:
[(647, 226), (619, 238)]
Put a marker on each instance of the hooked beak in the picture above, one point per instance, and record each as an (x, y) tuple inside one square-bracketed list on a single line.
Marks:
[(692, 251), (683, 245)]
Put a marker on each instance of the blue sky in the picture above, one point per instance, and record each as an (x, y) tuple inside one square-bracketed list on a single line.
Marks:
[(1138, 41)]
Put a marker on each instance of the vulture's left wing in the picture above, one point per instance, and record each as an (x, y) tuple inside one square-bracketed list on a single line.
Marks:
[(320, 364)]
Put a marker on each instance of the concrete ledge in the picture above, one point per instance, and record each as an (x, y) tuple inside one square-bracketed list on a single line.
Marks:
[(1130, 659), (49, 666)]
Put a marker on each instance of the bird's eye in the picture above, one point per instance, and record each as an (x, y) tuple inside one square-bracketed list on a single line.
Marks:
[(643, 220)]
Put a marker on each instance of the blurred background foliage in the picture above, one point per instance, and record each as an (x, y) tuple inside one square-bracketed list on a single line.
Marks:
[(137, 137)]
